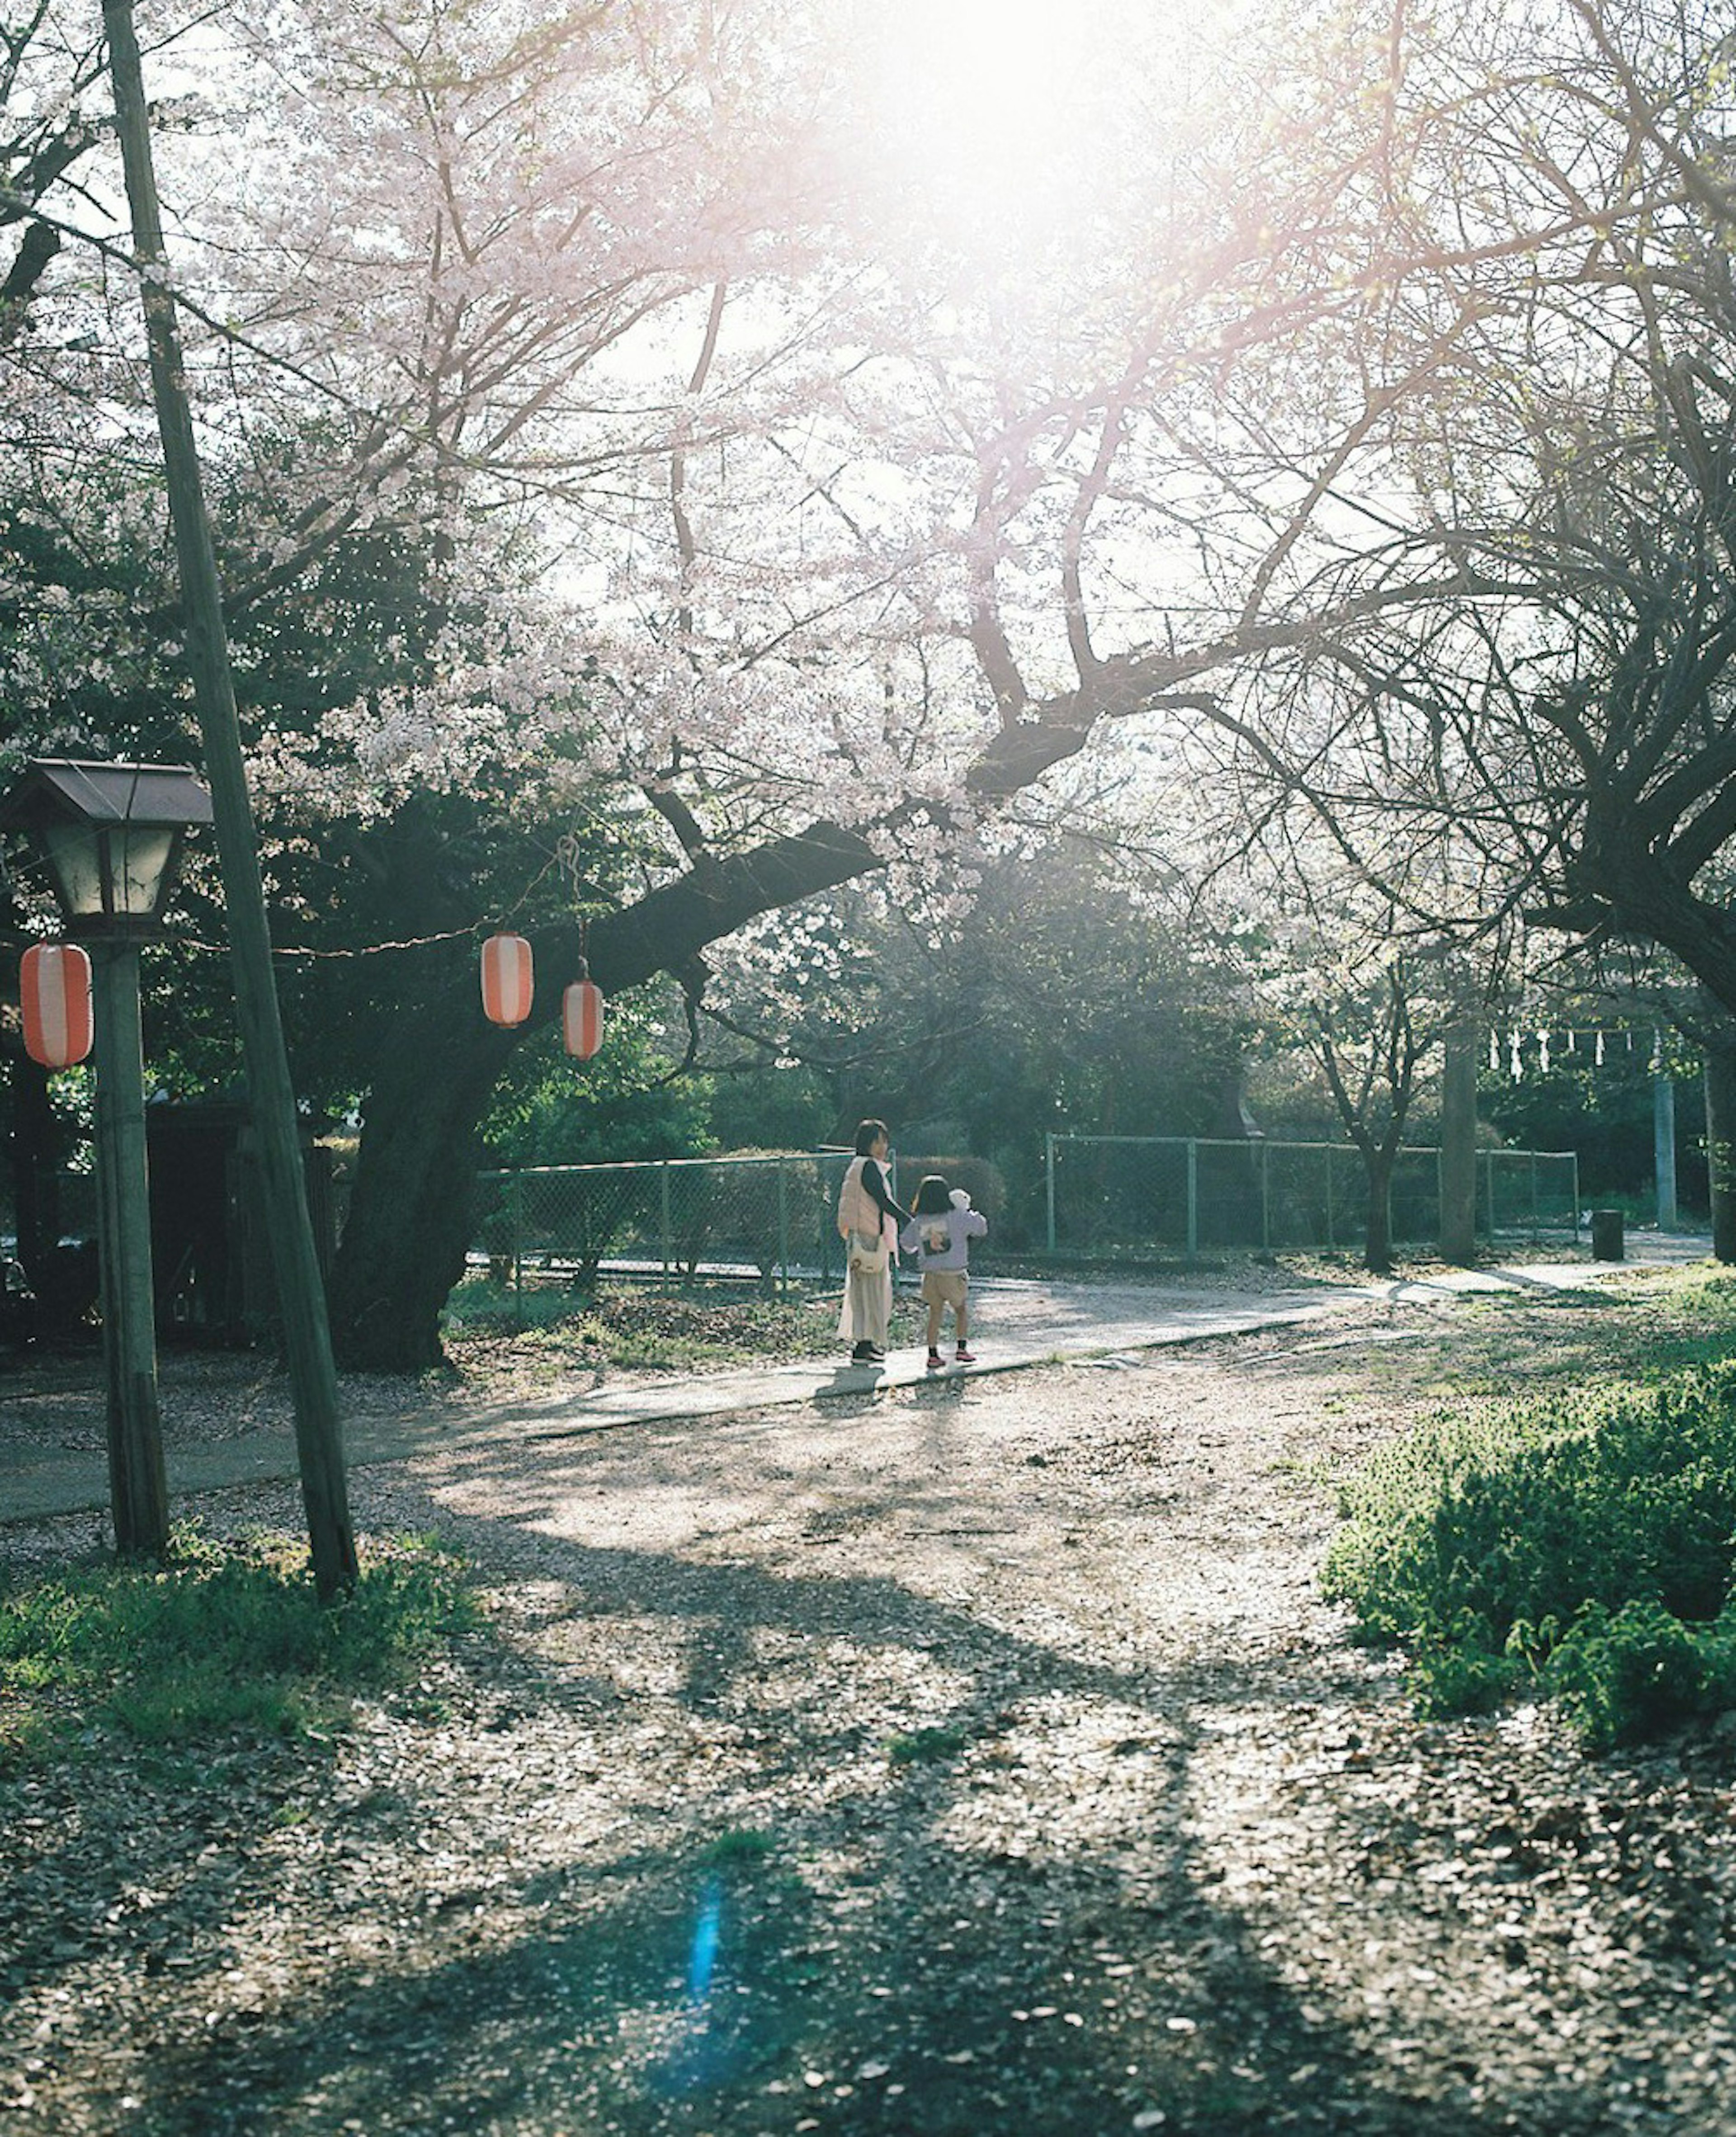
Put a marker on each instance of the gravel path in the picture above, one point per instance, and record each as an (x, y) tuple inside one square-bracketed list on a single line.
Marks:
[(976, 1758)]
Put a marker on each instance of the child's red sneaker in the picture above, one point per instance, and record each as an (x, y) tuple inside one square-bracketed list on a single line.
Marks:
[(934, 1361), (965, 1357)]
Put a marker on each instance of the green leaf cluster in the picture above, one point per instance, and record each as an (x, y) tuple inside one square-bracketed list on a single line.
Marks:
[(1582, 1545)]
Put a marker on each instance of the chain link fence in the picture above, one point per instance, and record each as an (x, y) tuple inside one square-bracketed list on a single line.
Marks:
[(1116, 1196), (767, 1219), (773, 1219)]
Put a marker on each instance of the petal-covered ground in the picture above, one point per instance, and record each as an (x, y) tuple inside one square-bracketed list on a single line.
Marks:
[(972, 1758)]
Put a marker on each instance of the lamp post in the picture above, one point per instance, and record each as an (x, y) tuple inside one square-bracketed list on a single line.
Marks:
[(110, 836)]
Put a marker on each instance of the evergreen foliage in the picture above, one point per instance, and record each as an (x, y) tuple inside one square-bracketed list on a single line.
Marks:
[(1583, 1544)]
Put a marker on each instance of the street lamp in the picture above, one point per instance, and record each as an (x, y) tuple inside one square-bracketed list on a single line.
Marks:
[(110, 836)]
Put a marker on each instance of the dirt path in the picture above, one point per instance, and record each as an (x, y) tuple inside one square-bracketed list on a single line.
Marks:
[(975, 1759)]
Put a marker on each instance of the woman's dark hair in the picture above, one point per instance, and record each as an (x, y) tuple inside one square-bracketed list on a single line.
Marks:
[(868, 1135), (930, 1197)]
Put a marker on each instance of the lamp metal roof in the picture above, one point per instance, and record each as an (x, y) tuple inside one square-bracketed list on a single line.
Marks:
[(105, 794)]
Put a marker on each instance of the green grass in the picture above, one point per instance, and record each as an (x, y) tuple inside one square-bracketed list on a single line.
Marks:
[(926, 1746), (220, 1638), (740, 1848)]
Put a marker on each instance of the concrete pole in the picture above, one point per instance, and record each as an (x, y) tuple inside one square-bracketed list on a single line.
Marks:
[(1663, 1146), (300, 1287), (1458, 1146), (137, 1486)]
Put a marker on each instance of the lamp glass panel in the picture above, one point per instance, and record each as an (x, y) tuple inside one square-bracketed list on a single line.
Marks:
[(74, 853), (139, 858)]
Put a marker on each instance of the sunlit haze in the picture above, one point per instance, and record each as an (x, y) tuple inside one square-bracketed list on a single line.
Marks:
[(1005, 117)]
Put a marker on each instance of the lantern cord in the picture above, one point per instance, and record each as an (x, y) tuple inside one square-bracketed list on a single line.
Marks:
[(372, 949)]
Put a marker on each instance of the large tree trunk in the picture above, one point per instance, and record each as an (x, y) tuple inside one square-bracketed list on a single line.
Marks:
[(1376, 1257), (409, 1226), (409, 1223)]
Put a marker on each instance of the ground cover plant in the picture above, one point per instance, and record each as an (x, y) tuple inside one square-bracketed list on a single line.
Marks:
[(1582, 1542), (219, 1638)]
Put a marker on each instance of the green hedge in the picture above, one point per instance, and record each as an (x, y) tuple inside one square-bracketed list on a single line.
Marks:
[(1583, 1546)]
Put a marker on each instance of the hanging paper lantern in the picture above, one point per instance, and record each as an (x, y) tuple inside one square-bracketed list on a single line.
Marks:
[(581, 1018), (55, 991), (507, 984)]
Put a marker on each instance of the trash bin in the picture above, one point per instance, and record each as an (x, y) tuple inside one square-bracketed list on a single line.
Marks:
[(1607, 1242)]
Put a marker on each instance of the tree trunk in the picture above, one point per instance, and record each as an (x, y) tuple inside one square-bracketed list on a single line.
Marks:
[(1458, 1146), (1721, 1145), (409, 1224), (1378, 1253)]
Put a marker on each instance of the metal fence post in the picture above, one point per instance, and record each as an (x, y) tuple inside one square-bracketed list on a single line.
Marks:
[(1331, 1240), (783, 1229), (1193, 1198), (514, 1203), (1265, 1198), (663, 1226), (1048, 1168)]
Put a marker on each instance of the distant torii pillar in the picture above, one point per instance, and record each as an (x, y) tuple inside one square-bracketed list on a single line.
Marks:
[(1458, 1146), (1663, 1143), (1721, 1147)]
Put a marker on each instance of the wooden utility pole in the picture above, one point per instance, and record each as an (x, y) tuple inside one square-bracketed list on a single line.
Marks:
[(300, 1290)]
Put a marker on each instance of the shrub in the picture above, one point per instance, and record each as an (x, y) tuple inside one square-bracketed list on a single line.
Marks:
[(1631, 1674), (926, 1746), (1587, 1541)]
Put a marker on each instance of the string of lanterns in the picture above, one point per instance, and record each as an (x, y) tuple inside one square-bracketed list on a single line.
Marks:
[(55, 991), (509, 986), (54, 996)]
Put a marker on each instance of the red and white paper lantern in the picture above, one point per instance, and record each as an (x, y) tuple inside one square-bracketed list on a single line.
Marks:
[(55, 991), (581, 1018), (507, 982)]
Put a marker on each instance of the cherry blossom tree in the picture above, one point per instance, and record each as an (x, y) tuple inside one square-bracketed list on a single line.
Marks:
[(772, 526), (1566, 706)]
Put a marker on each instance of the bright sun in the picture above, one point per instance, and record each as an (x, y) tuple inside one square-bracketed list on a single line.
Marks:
[(1009, 116)]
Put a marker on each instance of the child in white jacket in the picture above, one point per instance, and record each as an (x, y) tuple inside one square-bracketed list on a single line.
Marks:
[(939, 1234)]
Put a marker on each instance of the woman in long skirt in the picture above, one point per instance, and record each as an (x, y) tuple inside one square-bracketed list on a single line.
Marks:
[(868, 1221)]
